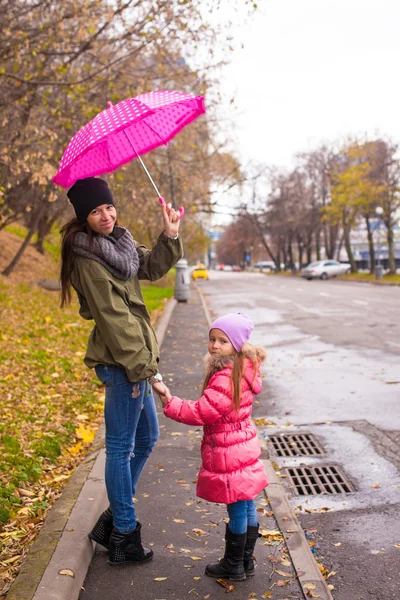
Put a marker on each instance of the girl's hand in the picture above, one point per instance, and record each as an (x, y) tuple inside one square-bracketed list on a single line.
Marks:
[(171, 218), (161, 389)]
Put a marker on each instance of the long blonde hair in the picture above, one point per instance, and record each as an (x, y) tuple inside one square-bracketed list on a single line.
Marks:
[(257, 355)]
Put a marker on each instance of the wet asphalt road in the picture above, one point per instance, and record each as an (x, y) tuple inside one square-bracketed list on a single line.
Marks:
[(334, 372)]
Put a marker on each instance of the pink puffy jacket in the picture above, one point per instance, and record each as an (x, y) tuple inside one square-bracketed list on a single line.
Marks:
[(230, 450)]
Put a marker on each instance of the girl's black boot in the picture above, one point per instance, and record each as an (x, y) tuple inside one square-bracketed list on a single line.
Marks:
[(127, 547), (231, 566), (102, 530), (248, 558)]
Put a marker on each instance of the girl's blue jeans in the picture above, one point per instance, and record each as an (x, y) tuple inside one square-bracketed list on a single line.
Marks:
[(131, 434), (242, 514)]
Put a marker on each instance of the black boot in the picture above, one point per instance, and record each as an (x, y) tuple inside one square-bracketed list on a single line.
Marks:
[(127, 547), (231, 566), (248, 558), (102, 530)]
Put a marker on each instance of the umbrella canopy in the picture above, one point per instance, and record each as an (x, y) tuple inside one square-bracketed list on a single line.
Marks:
[(125, 131)]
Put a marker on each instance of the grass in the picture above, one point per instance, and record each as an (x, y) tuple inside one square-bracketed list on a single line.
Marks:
[(51, 407), (371, 277), (394, 279), (51, 244)]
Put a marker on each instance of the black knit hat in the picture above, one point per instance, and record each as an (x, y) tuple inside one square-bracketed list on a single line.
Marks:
[(87, 194)]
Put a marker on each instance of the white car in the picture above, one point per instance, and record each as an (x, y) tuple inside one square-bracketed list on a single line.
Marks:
[(324, 269), (264, 265)]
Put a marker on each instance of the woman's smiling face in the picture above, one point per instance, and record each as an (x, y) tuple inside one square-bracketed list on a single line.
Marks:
[(102, 219)]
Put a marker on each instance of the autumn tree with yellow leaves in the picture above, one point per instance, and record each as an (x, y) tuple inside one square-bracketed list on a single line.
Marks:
[(60, 62), (359, 183)]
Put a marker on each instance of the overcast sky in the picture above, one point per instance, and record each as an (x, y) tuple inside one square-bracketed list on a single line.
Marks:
[(313, 71)]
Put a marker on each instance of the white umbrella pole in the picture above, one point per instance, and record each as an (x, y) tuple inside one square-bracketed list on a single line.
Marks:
[(143, 165), (148, 175)]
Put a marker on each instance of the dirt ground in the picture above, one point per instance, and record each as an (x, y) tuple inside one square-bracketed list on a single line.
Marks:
[(32, 266)]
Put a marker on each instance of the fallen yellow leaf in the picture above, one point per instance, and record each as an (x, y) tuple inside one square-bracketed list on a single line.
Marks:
[(85, 434), (25, 493), (200, 532), (9, 561), (331, 574), (160, 578), (66, 572)]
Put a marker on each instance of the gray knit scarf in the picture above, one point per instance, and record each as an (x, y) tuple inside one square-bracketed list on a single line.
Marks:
[(116, 252)]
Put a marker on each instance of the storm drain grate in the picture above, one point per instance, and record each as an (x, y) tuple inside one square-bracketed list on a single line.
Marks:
[(326, 479), (296, 444)]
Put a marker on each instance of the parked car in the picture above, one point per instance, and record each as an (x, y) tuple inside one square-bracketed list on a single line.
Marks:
[(236, 268), (324, 269), (227, 268), (264, 265), (200, 272)]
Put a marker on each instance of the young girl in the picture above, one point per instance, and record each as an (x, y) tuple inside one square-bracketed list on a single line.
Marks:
[(231, 472)]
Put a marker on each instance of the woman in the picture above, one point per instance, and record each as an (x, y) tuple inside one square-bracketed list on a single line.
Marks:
[(103, 264)]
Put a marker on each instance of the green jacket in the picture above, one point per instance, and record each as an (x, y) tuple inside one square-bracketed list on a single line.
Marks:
[(122, 335)]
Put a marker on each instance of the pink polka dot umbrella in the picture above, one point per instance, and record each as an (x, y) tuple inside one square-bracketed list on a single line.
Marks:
[(126, 131)]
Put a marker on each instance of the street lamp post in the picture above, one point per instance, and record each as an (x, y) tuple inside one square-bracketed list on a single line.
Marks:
[(378, 266)]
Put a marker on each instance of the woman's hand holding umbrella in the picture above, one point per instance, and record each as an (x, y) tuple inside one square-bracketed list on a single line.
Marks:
[(171, 218)]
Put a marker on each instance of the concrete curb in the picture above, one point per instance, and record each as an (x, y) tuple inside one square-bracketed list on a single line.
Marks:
[(62, 543), (303, 561)]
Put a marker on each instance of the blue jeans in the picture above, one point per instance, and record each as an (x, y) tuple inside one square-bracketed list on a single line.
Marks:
[(131, 433), (242, 514)]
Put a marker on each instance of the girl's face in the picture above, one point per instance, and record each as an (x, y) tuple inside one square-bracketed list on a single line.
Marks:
[(102, 219), (219, 344)]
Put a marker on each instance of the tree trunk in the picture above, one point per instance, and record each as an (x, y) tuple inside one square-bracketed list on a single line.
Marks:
[(309, 251), (370, 246), (318, 244), (326, 240), (278, 257), (292, 263), (9, 269), (346, 236), (333, 235), (390, 240), (300, 252)]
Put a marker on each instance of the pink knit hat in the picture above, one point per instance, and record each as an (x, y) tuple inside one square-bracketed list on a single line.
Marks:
[(237, 326)]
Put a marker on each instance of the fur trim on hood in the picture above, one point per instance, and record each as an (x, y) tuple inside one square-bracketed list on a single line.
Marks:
[(254, 352), (217, 363)]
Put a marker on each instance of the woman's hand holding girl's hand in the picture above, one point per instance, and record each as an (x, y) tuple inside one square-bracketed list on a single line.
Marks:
[(171, 218), (162, 391)]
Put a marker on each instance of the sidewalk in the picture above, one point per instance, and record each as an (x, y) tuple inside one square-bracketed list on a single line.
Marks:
[(184, 532)]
